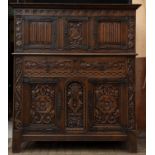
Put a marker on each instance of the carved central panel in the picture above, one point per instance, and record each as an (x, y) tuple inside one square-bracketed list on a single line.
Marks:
[(43, 103), (74, 105), (106, 104), (76, 33)]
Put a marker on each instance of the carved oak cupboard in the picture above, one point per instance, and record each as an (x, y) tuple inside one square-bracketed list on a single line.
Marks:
[(74, 73)]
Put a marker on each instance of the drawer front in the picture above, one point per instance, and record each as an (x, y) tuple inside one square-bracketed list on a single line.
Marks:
[(75, 66), (69, 30)]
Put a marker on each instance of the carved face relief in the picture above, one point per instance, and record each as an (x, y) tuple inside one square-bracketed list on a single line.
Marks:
[(74, 97)]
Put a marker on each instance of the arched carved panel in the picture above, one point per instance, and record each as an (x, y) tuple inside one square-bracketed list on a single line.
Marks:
[(74, 106)]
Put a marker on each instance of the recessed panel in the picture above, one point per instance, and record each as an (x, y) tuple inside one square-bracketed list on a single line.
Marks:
[(106, 105), (76, 33), (112, 33), (39, 33)]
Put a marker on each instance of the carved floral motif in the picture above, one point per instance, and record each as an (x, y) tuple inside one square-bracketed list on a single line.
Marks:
[(107, 104), (74, 35), (78, 67), (73, 12), (43, 98), (18, 35), (74, 105), (131, 33)]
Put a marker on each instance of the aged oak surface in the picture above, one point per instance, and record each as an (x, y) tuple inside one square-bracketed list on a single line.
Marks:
[(74, 73)]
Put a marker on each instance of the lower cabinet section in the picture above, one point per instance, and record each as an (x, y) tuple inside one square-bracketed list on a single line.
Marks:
[(49, 105), (74, 105)]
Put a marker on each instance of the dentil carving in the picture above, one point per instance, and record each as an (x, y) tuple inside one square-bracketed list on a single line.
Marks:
[(106, 104), (73, 12), (43, 103), (74, 105)]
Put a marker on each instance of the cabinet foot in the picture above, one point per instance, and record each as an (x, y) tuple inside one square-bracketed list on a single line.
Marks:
[(132, 142), (16, 142)]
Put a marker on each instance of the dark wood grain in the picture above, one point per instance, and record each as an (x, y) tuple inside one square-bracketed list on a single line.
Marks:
[(74, 73)]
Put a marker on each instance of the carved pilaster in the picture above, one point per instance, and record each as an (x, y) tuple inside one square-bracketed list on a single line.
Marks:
[(18, 33), (131, 94), (18, 93), (131, 33)]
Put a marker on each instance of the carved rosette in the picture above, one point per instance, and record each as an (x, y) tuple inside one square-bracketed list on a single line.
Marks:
[(107, 105), (74, 105), (131, 33), (131, 94), (18, 35), (18, 93), (43, 103)]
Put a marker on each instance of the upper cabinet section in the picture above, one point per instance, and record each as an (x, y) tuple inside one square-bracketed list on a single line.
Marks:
[(73, 30)]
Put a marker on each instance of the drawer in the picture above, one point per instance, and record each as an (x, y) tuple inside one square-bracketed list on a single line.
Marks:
[(75, 66)]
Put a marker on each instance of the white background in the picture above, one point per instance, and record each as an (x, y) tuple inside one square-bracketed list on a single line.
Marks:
[(150, 76)]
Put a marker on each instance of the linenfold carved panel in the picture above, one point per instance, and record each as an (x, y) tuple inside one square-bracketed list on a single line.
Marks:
[(39, 32), (43, 104), (112, 33), (74, 66), (74, 103)]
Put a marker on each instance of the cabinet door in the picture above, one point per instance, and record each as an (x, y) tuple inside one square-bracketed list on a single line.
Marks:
[(107, 105), (75, 105), (42, 105)]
